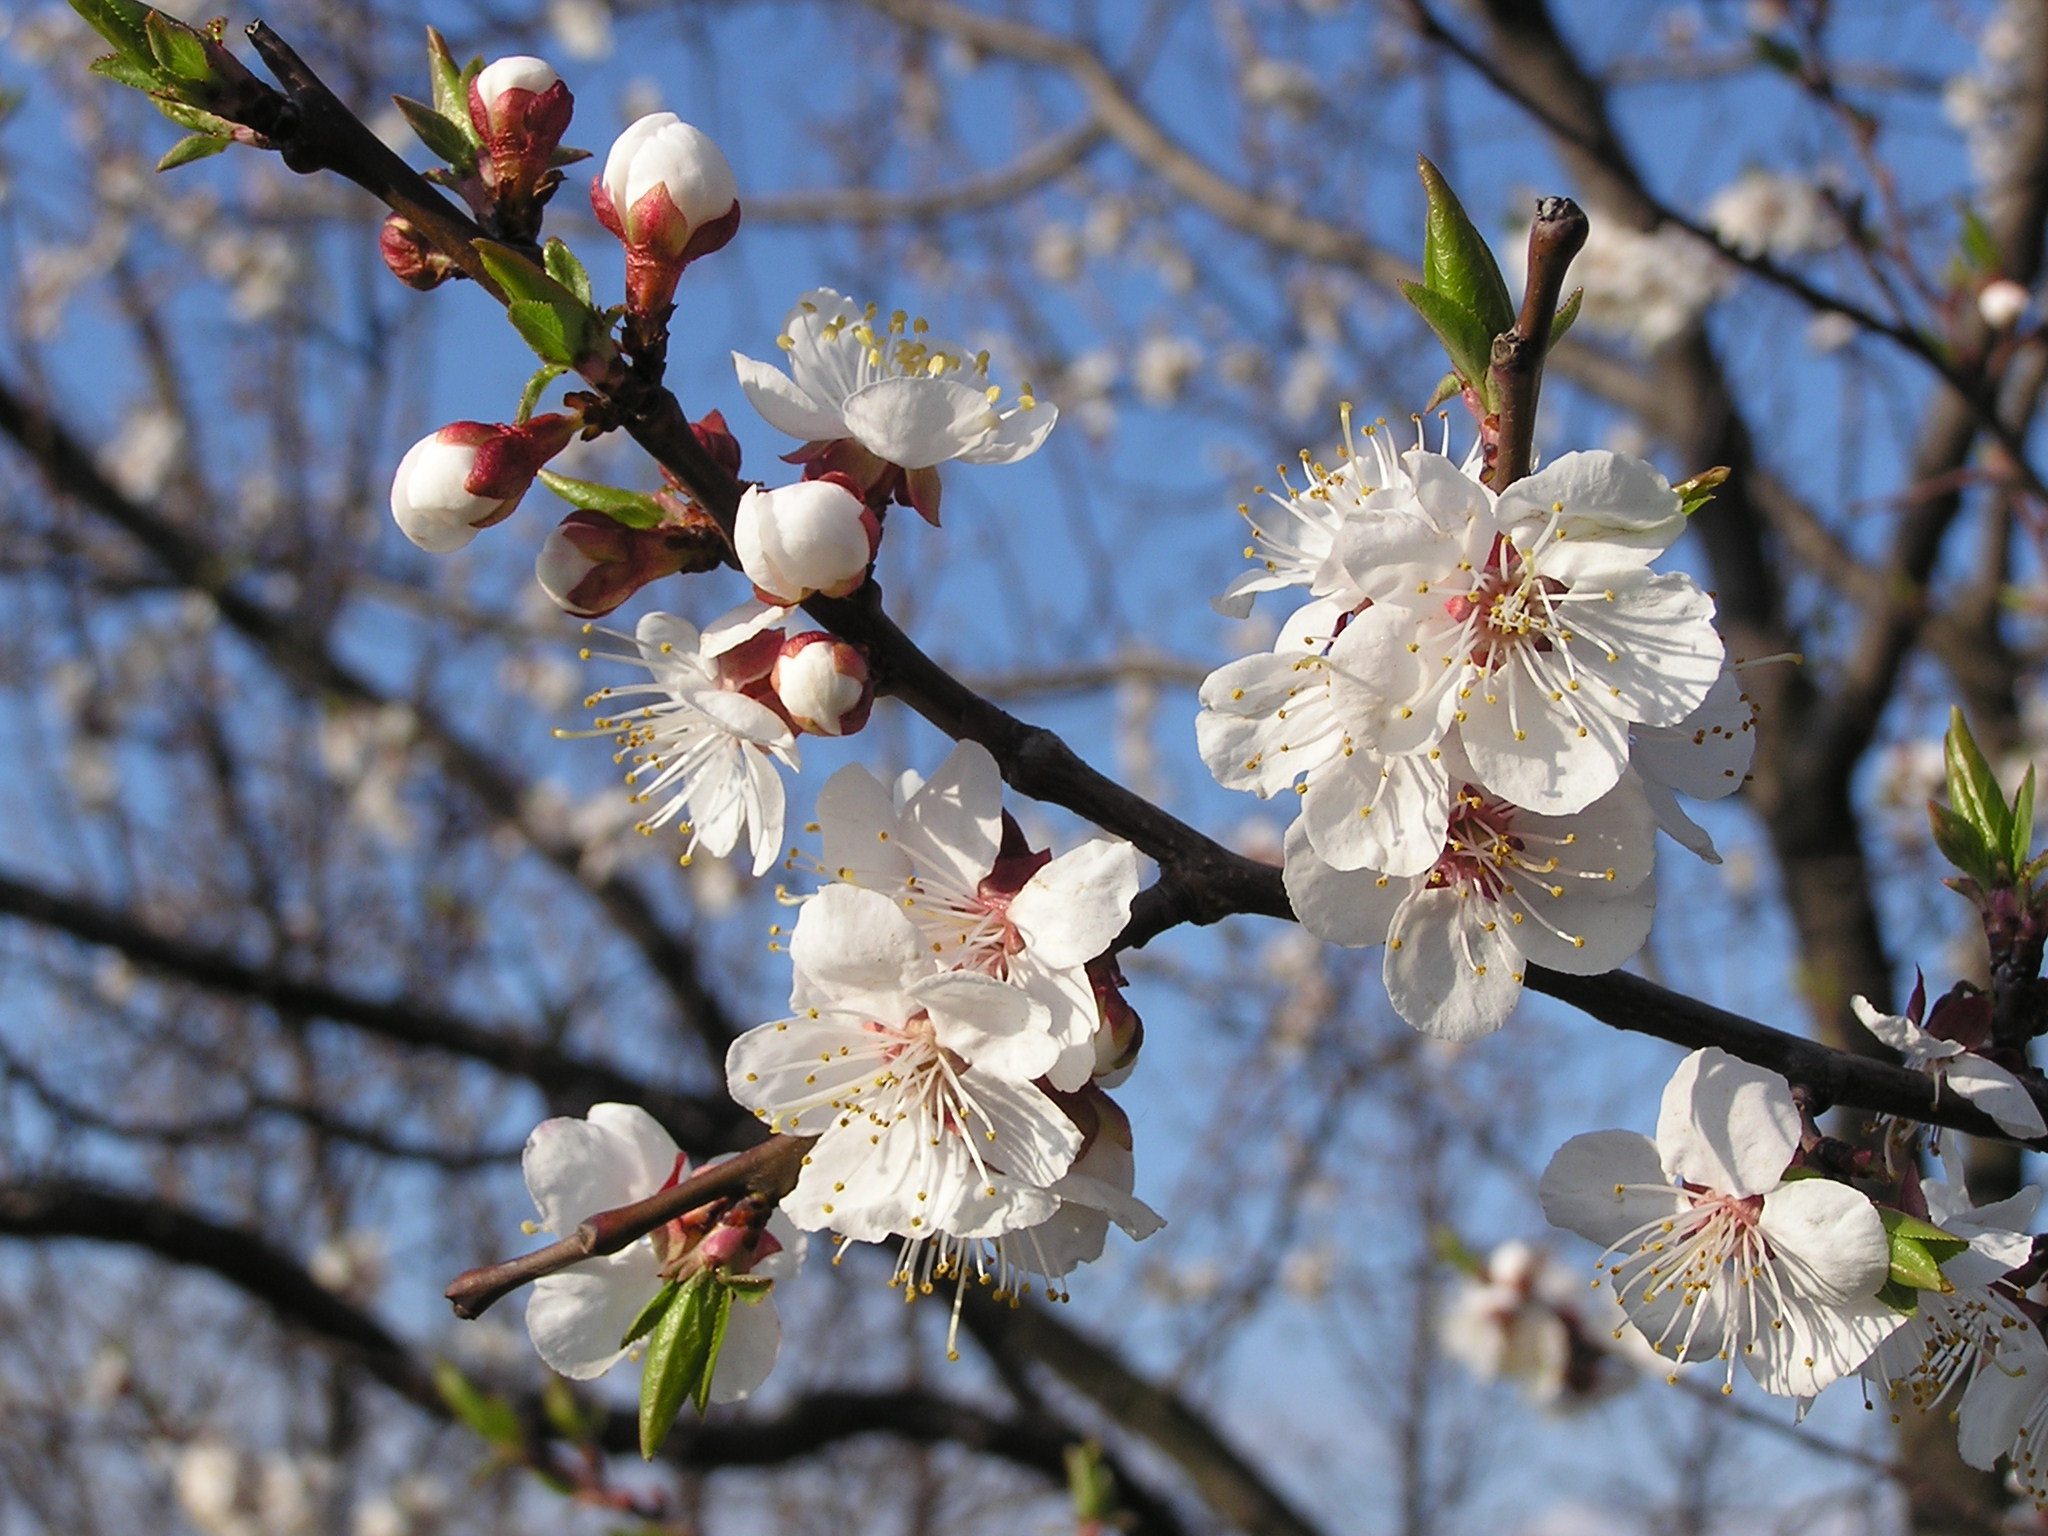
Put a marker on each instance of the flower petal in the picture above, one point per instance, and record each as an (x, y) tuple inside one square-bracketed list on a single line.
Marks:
[(1651, 648), (1019, 433), (577, 1317), (1354, 908), (753, 1338), (1727, 1125), (918, 423), (1707, 754), (783, 403), (857, 817), (577, 1167), (853, 949), (1073, 908), (1388, 814), (1997, 1092), (1819, 1344), (999, 1029), (1829, 1238), (953, 825), (1605, 1184), (1450, 969)]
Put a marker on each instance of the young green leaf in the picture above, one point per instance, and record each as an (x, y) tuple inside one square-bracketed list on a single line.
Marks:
[(179, 50), (682, 1352), (490, 1416), (444, 140), (1900, 1298), (1980, 250), (1463, 334), (1456, 261), (1973, 791), (1567, 312), (1959, 842), (1913, 1265), (195, 146), (635, 509), (124, 70), (1447, 388), (121, 22), (451, 92), (1938, 1242), (565, 269), (1699, 490), (650, 1314), (529, 397), (2020, 839), (543, 328)]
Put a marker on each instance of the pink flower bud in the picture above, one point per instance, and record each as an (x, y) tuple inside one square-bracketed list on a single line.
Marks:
[(520, 109), (2001, 302), (412, 260), (815, 536), (469, 475), (1120, 1034), (669, 195), (591, 563), (823, 684)]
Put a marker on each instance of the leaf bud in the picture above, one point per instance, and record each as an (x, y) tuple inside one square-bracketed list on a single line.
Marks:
[(412, 260)]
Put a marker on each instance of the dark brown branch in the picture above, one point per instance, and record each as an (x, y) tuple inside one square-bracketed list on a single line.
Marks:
[(988, 189), (1556, 236)]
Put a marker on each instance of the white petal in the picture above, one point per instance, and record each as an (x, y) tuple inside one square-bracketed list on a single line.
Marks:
[(577, 1317), (1611, 503), (1671, 817), (1450, 971), (1018, 435), (918, 423), (738, 625), (1727, 1125), (1819, 1344), (783, 1068), (1389, 814), (784, 405), (856, 949), (1589, 929), (1997, 1092), (861, 1180), (1605, 1184), (1534, 742), (1652, 649), (1073, 908), (753, 1338), (953, 824), (1021, 1131), (1829, 1238), (1707, 754), (577, 1167), (1265, 721), (857, 818), (1000, 1029), (2003, 1396), (1349, 907)]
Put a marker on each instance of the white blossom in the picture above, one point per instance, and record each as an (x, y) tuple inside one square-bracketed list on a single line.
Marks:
[(578, 1316), (978, 898), (1507, 887), (1767, 213), (815, 536), (696, 737), (917, 1082), (1714, 1253), (1970, 1077), (902, 394)]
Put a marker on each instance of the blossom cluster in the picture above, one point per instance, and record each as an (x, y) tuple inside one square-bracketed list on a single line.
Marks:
[(1483, 707), (1728, 1236)]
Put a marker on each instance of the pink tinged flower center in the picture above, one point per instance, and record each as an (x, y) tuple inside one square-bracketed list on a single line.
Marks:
[(1481, 850), (1710, 1256), (722, 1234), (1507, 607)]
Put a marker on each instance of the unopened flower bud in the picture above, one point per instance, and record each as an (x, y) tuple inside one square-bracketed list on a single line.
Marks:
[(469, 475), (1121, 1032), (2001, 302), (591, 563), (815, 536), (520, 109), (669, 195), (823, 684), (717, 440), (412, 260)]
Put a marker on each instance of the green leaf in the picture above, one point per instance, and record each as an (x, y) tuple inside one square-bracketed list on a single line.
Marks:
[(650, 1315), (1699, 490), (1456, 261), (1567, 312), (1447, 388), (120, 22), (451, 92), (752, 1289), (1464, 335), (543, 376), (1900, 1298), (194, 119), (635, 509), (558, 1401), (1973, 791), (564, 268), (682, 1353), (1937, 1243), (542, 328), (1913, 1265), (490, 1416), (124, 70), (196, 146), (1959, 842), (1980, 250), (179, 50), (2020, 840), (443, 139)]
